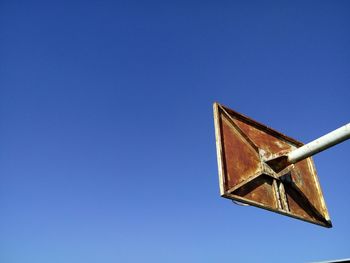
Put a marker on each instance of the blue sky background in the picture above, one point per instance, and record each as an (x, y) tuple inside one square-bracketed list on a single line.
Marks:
[(107, 136)]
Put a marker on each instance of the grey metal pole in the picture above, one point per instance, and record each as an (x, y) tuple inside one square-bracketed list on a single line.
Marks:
[(330, 139)]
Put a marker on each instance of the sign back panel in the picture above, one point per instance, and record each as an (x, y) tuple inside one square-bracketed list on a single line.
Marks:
[(243, 148)]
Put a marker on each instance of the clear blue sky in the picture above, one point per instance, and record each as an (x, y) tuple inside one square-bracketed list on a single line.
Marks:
[(107, 148)]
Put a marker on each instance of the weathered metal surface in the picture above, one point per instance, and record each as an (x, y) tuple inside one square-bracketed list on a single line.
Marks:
[(244, 148)]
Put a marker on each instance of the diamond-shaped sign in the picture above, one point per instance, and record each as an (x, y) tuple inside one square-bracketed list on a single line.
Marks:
[(244, 148)]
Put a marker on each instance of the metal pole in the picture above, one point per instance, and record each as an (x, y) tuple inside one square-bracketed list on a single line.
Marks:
[(320, 144)]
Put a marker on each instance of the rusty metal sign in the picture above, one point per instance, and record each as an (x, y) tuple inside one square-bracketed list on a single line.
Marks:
[(244, 148)]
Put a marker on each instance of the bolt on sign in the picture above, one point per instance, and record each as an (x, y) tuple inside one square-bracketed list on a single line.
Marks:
[(253, 170)]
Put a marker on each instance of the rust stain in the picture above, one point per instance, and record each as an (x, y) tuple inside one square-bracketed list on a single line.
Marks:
[(238, 166), (260, 191), (262, 139)]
